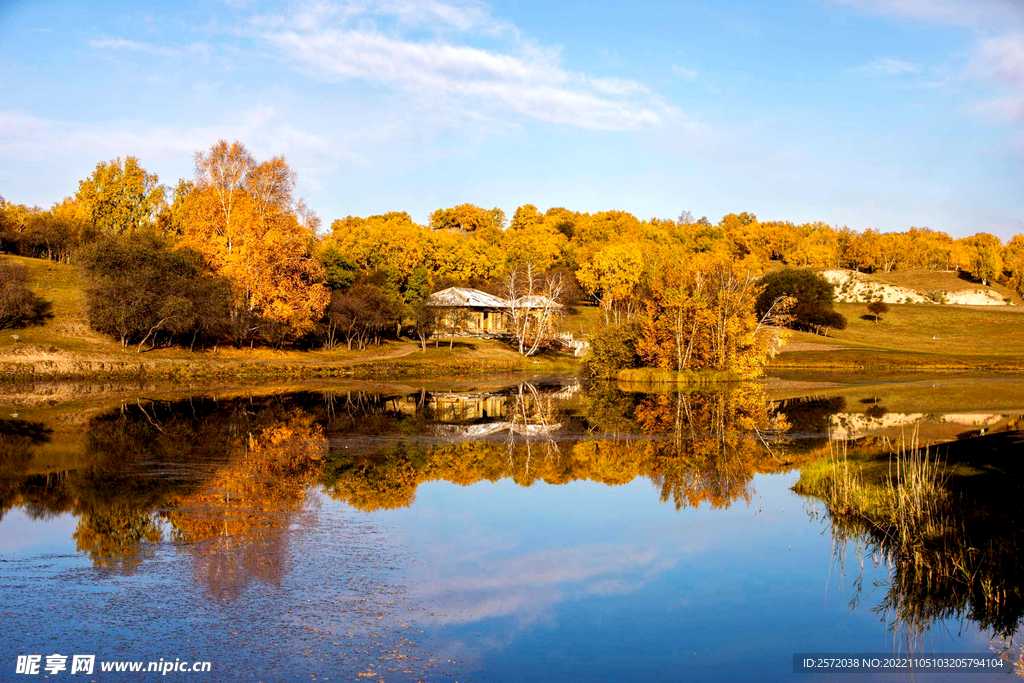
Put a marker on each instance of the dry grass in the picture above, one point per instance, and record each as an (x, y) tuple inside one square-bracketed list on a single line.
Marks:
[(911, 503), (915, 336), (947, 530)]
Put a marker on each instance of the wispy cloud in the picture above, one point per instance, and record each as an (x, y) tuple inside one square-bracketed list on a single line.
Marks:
[(524, 79), (453, 53), (197, 49), (886, 66), (1002, 59), (24, 133), (457, 15), (978, 13), (998, 62), (683, 72)]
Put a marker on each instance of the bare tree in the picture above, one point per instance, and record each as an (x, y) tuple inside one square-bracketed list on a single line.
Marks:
[(534, 306), (425, 319)]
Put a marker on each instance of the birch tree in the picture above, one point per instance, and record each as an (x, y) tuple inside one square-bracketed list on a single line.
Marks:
[(533, 305)]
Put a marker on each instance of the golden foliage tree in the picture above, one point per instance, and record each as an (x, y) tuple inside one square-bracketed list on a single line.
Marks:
[(241, 216), (120, 197)]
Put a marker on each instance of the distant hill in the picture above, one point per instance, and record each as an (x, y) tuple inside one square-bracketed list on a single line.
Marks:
[(917, 287)]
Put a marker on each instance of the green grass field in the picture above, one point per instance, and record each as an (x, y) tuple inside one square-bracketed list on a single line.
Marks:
[(916, 335), (585, 320)]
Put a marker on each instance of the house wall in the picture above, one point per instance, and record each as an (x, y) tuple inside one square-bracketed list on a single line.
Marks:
[(475, 321)]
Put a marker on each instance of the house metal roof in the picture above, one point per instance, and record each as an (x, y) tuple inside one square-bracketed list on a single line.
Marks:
[(463, 297)]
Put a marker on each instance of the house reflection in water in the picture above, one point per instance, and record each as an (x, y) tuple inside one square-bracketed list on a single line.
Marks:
[(454, 407), (523, 411)]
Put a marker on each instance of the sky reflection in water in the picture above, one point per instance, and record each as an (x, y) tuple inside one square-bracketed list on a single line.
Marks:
[(528, 532)]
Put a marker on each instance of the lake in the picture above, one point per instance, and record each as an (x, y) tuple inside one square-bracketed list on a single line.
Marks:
[(495, 530)]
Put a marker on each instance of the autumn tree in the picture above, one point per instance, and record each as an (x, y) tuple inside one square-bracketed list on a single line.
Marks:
[(121, 197), (241, 215), (612, 348), (613, 276), (877, 308), (468, 218), (526, 217), (702, 316), (1013, 264), (985, 258), (533, 306), (54, 234), (533, 239)]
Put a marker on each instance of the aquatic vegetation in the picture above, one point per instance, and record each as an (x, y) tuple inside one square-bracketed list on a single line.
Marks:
[(951, 553)]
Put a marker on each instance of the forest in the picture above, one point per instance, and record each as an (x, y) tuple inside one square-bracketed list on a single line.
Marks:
[(233, 256)]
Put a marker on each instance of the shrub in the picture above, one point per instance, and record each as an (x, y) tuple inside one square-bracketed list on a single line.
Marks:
[(360, 315), (612, 349), (19, 305), (143, 291)]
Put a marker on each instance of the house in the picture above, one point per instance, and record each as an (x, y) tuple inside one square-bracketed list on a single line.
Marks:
[(470, 310), (473, 312)]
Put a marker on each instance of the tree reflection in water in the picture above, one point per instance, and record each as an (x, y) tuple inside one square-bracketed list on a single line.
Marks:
[(695, 447), (224, 479), (192, 472)]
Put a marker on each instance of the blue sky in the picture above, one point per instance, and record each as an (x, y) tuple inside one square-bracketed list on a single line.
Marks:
[(868, 113)]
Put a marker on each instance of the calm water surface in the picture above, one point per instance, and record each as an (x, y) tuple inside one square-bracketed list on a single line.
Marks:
[(500, 532)]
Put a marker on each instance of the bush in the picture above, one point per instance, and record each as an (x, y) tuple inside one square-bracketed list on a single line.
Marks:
[(612, 349), (360, 315), (19, 305), (814, 309), (143, 291)]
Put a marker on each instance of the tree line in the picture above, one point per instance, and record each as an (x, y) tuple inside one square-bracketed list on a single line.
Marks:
[(233, 256)]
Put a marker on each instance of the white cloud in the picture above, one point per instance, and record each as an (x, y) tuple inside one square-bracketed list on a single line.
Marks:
[(978, 13), (683, 72), (197, 49), (1002, 59), (455, 15), (26, 134), (886, 66), (998, 62), (527, 80)]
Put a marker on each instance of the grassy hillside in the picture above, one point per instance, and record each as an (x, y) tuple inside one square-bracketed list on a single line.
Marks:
[(916, 335), (67, 347), (584, 321)]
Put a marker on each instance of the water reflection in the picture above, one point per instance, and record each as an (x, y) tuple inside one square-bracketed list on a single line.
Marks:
[(227, 473), (699, 447), (222, 481)]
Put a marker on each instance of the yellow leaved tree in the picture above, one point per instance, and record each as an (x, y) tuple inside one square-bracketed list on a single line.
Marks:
[(242, 216)]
